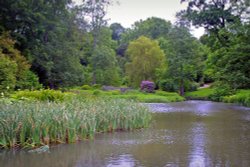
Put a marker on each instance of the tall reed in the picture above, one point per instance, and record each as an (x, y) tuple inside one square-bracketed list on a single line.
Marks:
[(31, 124)]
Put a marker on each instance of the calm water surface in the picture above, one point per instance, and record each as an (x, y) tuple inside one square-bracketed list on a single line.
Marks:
[(188, 134)]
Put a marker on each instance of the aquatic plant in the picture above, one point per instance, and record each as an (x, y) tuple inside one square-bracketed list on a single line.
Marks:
[(32, 124)]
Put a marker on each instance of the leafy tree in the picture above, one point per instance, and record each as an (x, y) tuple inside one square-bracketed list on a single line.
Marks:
[(47, 34), (103, 60), (21, 67), (95, 10), (153, 28), (214, 14), (146, 60), (183, 57), (230, 65)]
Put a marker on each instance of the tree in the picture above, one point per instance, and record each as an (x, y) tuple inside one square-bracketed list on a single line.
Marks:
[(214, 14), (15, 69), (47, 35), (103, 60), (152, 28), (183, 57), (227, 24), (230, 65), (95, 10), (146, 60)]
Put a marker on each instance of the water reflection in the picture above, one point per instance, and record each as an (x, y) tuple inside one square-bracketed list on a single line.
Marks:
[(197, 155), (182, 134)]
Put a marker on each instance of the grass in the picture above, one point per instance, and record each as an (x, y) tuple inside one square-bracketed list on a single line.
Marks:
[(241, 97), (157, 97), (200, 94), (34, 123)]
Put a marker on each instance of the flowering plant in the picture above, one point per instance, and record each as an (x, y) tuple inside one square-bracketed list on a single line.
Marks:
[(147, 86)]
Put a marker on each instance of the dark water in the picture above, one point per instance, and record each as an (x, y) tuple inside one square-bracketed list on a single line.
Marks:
[(188, 134)]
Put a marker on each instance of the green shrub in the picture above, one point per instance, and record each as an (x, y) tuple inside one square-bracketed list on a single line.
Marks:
[(191, 86), (220, 92), (8, 70), (241, 97), (168, 85), (28, 81), (40, 95), (96, 92), (86, 87), (96, 86)]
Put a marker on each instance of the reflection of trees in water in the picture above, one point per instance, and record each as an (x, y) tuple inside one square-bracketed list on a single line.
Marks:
[(228, 138), (198, 156), (169, 141)]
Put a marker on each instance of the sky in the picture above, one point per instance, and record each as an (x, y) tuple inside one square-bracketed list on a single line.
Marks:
[(126, 12)]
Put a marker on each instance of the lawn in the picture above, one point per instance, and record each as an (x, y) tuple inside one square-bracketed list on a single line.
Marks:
[(200, 94)]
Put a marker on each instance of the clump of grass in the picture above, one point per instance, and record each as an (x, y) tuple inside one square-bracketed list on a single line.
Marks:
[(241, 97), (200, 94), (31, 124)]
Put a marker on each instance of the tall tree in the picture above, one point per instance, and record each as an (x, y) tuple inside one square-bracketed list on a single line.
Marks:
[(95, 11), (103, 60), (183, 57), (47, 35), (15, 69), (146, 59)]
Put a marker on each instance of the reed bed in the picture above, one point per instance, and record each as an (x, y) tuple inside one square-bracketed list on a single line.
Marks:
[(31, 124)]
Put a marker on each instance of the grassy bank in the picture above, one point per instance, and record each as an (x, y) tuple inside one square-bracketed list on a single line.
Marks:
[(31, 124), (200, 94), (157, 97), (241, 97)]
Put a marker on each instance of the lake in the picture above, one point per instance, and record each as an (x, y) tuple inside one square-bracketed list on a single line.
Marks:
[(188, 134)]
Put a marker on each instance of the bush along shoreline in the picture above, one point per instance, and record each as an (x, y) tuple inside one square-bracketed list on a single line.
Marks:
[(241, 97), (30, 124)]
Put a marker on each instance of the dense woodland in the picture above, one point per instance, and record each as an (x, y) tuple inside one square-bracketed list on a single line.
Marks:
[(57, 44)]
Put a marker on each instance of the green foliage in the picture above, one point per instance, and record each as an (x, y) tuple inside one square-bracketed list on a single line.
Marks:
[(29, 81), (241, 97), (220, 91), (15, 72), (8, 71), (31, 124), (230, 64), (191, 86), (96, 92), (214, 15), (158, 96), (86, 87), (96, 86), (200, 94), (184, 57), (168, 85), (104, 62), (40, 95), (146, 59)]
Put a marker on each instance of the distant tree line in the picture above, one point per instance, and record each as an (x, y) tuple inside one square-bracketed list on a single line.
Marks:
[(56, 44)]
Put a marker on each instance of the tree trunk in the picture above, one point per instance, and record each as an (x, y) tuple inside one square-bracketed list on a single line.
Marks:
[(181, 89)]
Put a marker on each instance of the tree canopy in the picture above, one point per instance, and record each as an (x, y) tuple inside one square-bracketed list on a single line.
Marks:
[(146, 60)]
